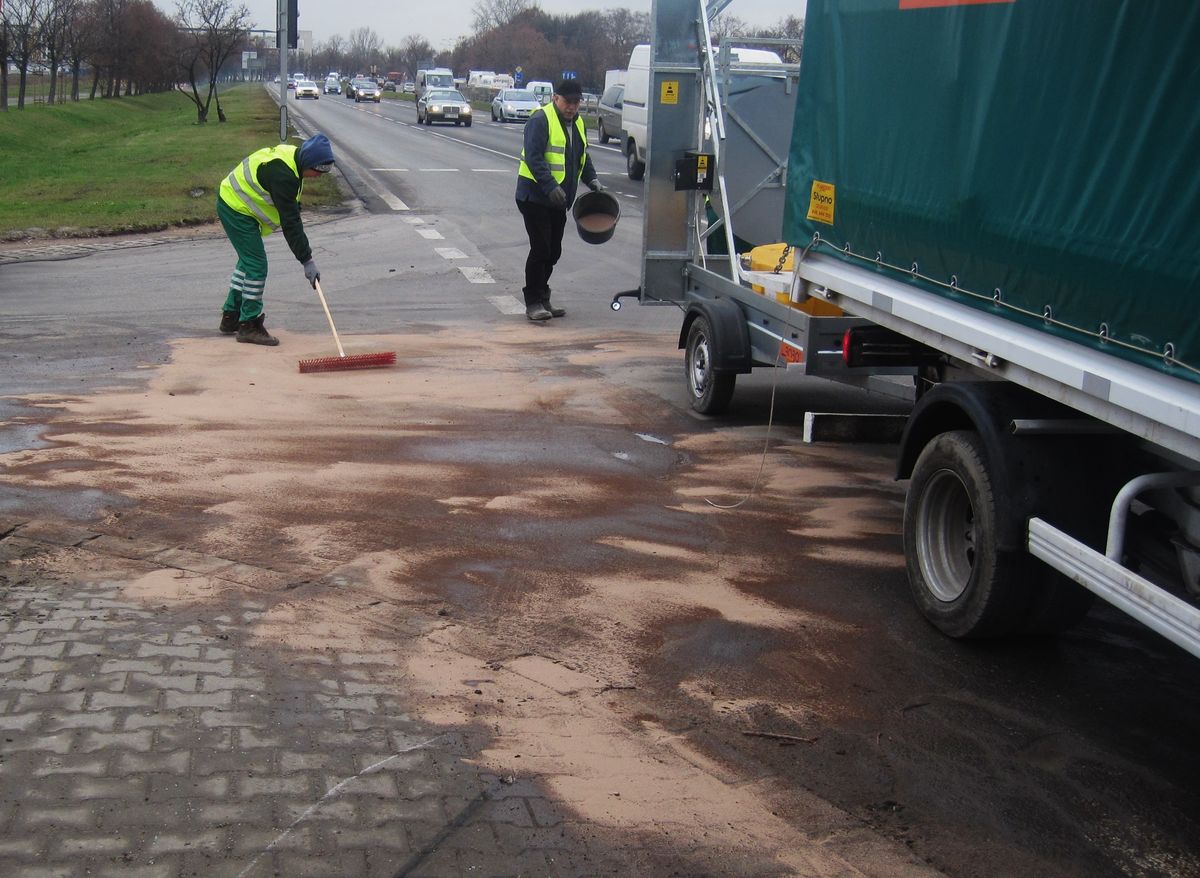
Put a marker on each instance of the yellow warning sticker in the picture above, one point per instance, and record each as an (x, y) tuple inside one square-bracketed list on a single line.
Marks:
[(669, 93), (820, 202), (701, 163)]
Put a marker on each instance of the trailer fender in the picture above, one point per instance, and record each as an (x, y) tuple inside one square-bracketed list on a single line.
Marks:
[(731, 337), (1019, 466)]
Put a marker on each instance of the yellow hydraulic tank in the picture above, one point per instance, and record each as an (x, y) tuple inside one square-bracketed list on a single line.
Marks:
[(766, 258)]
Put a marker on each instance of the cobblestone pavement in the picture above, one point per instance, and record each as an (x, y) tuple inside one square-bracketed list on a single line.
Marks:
[(144, 741), (145, 737)]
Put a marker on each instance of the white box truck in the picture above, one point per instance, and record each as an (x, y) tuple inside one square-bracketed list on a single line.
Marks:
[(1027, 264)]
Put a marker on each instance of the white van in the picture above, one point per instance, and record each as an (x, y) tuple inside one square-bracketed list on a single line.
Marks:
[(436, 77), (635, 109), (543, 90)]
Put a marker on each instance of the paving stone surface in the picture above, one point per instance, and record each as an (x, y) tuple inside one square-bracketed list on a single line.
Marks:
[(144, 741)]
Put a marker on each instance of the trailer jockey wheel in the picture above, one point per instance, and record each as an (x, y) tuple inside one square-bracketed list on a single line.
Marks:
[(960, 579), (710, 390)]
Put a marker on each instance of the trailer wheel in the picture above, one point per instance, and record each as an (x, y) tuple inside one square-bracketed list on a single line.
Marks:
[(710, 390), (960, 579)]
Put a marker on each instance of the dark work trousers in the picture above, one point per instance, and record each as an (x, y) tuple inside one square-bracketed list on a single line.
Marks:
[(545, 227)]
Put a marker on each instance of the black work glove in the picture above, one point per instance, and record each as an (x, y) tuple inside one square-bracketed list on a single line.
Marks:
[(311, 274), (558, 197)]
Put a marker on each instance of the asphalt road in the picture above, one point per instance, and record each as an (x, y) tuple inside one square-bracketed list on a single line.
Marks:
[(1071, 756)]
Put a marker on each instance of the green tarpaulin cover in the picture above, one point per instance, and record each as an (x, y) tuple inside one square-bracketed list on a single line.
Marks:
[(1047, 149)]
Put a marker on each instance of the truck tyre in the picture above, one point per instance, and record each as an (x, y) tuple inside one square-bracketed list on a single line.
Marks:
[(633, 167), (709, 390), (960, 579)]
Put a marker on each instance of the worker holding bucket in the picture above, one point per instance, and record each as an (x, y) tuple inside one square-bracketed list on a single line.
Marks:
[(553, 162)]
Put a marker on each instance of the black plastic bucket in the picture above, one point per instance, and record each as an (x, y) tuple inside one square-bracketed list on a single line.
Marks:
[(596, 215)]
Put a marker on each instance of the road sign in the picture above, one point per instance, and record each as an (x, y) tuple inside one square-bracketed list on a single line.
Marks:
[(570, 74)]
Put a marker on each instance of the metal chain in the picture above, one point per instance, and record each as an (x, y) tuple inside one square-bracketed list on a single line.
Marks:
[(787, 248)]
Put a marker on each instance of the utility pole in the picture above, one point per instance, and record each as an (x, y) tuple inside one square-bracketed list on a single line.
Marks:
[(287, 15), (281, 40)]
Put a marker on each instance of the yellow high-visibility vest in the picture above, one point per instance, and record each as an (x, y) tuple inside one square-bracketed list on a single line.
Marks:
[(556, 146), (241, 191)]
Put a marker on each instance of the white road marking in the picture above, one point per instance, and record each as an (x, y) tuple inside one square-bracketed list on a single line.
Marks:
[(392, 170), (491, 170), (476, 275), (415, 220), (507, 304), (393, 202), (431, 234), (450, 253), (437, 170)]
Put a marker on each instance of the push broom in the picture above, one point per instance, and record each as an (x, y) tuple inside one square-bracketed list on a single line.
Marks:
[(342, 362)]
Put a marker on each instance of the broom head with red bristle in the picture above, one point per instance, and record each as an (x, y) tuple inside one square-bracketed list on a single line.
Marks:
[(353, 361)]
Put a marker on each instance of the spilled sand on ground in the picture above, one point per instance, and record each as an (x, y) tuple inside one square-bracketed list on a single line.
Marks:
[(334, 479)]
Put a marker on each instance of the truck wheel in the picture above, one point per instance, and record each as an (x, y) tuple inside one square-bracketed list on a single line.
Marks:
[(633, 167), (960, 579), (710, 390)]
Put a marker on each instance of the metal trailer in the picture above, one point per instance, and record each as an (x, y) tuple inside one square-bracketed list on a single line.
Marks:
[(1020, 446)]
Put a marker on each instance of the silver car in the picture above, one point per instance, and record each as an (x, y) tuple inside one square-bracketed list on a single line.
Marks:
[(443, 105), (513, 104), (366, 90)]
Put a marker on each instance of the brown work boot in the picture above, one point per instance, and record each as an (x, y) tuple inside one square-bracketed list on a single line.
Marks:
[(229, 322), (253, 332)]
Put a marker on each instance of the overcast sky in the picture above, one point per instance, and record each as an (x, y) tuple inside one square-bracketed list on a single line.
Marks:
[(442, 22)]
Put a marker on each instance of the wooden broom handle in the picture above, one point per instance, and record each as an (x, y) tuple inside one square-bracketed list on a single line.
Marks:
[(329, 317)]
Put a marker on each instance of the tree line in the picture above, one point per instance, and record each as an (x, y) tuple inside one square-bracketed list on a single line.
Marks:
[(511, 34), (130, 47)]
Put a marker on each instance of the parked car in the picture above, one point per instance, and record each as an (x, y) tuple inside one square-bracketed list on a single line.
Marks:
[(366, 90), (608, 114), (306, 88), (443, 105), (513, 104), (333, 85)]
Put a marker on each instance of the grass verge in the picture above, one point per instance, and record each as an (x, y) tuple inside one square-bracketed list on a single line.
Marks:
[(130, 165)]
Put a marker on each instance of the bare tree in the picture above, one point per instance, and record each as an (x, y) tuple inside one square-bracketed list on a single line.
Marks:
[(21, 25), (212, 30), (80, 36), (54, 25), (364, 48), (414, 51), (728, 25), (488, 15)]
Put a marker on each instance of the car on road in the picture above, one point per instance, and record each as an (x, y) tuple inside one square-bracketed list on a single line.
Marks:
[(443, 105), (333, 85), (366, 90), (608, 114), (514, 104), (306, 88), (408, 88)]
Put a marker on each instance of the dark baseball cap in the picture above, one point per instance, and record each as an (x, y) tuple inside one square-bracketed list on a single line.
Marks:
[(569, 89)]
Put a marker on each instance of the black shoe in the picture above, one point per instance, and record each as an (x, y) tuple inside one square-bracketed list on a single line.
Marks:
[(554, 312), (229, 322), (253, 332), (537, 312)]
